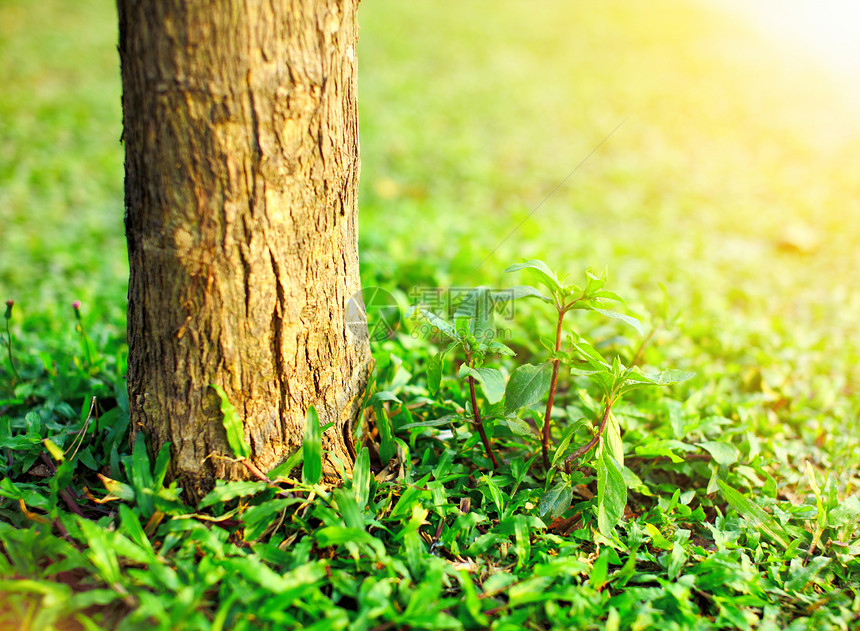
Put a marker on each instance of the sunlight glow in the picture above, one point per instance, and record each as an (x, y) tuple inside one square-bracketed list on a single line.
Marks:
[(829, 30)]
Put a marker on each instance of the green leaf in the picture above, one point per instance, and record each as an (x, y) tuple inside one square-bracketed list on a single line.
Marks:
[(557, 500), (599, 571), (232, 425), (384, 395), (494, 491), (434, 373), (258, 519), (611, 295), (754, 514), (438, 422), (611, 493), (100, 551), (255, 571), (284, 469), (501, 349), (387, 447), (594, 283), (352, 514), (226, 491), (470, 600), (440, 323), (612, 440), (519, 427), (542, 271), (414, 554), (491, 380), (637, 379), (409, 498), (477, 306), (657, 538), (672, 376), (361, 478), (520, 291), (131, 526), (635, 323), (162, 462), (463, 327), (677, 560), (492, 383), (657, 448), (141, 476), (534, 589), (528, 385), (337, 535), (591, 356), (801, 576), (723, 453), (522, 540), (312, 448)]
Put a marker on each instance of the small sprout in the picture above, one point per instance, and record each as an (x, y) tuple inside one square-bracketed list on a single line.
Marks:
[(8, 315), (76, 305)]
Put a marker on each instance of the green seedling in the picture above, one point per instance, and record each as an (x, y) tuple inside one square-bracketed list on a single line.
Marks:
[(8, 316), (473, 330), (85, 343), (564, 298), (614, 379)]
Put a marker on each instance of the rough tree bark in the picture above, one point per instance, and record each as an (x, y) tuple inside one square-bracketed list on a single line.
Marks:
[(241, 137)]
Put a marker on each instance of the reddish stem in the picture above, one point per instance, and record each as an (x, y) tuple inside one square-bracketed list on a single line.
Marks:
[(586, 448), (487, 447), (552, 387), (480, 425)]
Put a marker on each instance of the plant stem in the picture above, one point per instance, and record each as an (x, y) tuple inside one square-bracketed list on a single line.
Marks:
[(487, 447), (478, 423), (15, 376), (86, 344), (588, 447), (545, 436), (637, 356)]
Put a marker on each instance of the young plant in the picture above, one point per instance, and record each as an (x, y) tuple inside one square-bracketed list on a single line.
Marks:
[(614, 380), (9, 304), (76, 305), (473, 330), (565, 298)]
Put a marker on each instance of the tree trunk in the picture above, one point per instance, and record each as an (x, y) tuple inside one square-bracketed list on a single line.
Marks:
[(241, 136)]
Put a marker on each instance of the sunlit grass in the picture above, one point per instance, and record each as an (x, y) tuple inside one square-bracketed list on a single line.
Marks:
[(723, 169), (732, 178)]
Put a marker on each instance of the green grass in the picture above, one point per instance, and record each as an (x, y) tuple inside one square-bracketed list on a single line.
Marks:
[(731, 181)]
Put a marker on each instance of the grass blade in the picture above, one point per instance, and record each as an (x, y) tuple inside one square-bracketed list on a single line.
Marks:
[(312, 448), (232, 425), (754, 513)]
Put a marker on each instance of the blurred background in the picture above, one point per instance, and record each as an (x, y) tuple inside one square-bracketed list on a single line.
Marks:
[(714, 148)]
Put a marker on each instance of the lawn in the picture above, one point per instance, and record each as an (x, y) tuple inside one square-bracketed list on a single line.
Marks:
[(710, 175)]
